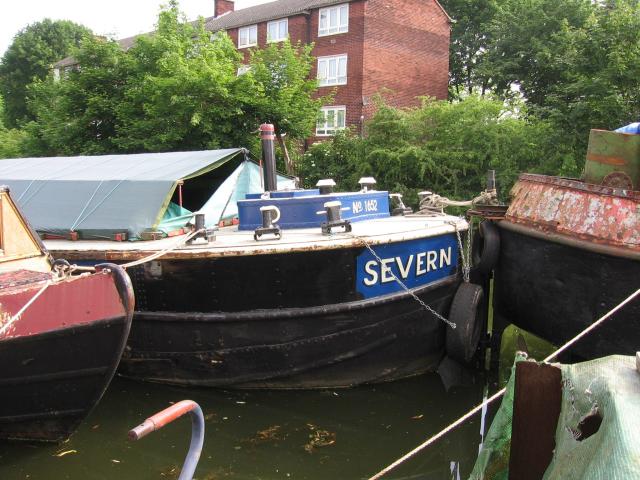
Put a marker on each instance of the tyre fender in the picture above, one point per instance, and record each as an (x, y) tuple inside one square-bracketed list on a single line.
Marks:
[(486, 247), (462, 341)]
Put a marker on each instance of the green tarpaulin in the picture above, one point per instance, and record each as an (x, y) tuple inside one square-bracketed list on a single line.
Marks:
[(612, 453), (99, 195)]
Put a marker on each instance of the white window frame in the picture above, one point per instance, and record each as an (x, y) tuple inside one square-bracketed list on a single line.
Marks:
[(242, 69), (249, 29), (277, 24), (340, 15), (327, 130), (327, 78)]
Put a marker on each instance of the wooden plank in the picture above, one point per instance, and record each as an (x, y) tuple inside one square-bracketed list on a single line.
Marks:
[(536, 409)]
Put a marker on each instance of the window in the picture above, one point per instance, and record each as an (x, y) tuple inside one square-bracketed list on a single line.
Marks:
[(332, 70), (331, 120), (248, 36), (277, 30), (333, 20), (242, 69)]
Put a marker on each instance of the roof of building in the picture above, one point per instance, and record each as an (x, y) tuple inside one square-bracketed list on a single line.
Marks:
[(125, 44), (246, 16), (266, 11)]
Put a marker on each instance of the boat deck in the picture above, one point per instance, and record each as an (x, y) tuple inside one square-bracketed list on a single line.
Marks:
[(233, 242)]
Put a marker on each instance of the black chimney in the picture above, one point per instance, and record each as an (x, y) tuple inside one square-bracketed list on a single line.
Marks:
[(268, 157)]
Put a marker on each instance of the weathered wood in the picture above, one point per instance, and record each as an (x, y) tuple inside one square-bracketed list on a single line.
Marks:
[(536, 409), (19, 245)]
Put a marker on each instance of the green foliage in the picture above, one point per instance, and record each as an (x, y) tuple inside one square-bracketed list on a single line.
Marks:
[(283, 89), (470, 36), (10, 139), (175, 89), (443, 147), (575, 63), (30, 57), (182, 90), (78, 114)]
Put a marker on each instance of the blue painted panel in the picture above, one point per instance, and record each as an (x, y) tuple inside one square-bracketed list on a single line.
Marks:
[(301, 212), (414, 262)]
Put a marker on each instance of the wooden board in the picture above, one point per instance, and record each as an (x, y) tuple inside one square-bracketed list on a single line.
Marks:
[(536, 409)]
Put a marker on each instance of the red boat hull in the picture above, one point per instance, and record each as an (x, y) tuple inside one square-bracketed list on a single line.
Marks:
[(60, 355)]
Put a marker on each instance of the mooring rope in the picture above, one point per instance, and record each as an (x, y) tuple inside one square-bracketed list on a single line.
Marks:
[(161, 253), (498, 394), (140, 261), (15, 317)]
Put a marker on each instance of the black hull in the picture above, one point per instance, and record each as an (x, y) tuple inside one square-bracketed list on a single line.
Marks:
[(338, 345), (556, 290), (49, 382)]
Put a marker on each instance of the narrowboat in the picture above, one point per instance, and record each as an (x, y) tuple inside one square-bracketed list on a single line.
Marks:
[(569, 250), (61, 335), (271, 286)]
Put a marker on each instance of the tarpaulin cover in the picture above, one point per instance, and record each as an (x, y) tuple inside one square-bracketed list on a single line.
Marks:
[(247, 178), (102, 194), (613, 452)]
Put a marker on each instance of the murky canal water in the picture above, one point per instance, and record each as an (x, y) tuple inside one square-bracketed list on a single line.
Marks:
[(341, 434)]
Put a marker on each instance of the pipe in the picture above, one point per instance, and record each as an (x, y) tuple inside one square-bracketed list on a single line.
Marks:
[(168, 415), (491, 180), (180, 183), (268, 157)]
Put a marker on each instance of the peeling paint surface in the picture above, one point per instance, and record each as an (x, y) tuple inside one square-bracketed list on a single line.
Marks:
[(594, 213)]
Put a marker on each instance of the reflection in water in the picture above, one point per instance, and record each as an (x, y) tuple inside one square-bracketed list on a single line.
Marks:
[(332, 434)]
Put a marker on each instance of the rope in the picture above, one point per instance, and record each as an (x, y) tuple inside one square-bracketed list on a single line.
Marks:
[(497, 395), (13, 319), (433, 204), (149, 258), (161, 253)]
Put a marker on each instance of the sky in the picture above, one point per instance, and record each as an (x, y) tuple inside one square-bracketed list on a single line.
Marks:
[(114, 18)]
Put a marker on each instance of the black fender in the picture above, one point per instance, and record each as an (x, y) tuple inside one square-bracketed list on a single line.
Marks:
[(462, 341), (486, 247)]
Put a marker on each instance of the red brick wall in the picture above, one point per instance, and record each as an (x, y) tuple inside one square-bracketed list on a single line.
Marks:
[(351, 44), (406, 50), (400, 45), (298, 28)]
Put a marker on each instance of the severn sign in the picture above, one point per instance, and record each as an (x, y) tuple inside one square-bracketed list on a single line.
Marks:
[(415, 263)]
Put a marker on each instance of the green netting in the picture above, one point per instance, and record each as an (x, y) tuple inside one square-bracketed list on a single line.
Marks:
[(493, 459), (612, 453)]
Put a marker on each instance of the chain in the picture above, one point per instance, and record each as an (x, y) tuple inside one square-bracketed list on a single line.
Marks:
[(464, 256), (406, 289)]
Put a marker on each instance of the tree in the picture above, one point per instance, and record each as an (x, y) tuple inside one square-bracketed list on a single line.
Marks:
[(174, 89), (183, 91), (78, 114), (579, 67), (470, 41), (29, 57), (10, 139), (284, 93), (444, 147), (529, 42)]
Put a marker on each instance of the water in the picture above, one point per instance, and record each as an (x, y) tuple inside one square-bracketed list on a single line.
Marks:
[(310, 435)]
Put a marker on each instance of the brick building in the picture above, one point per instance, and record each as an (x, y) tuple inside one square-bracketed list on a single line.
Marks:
[(362, 47)]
